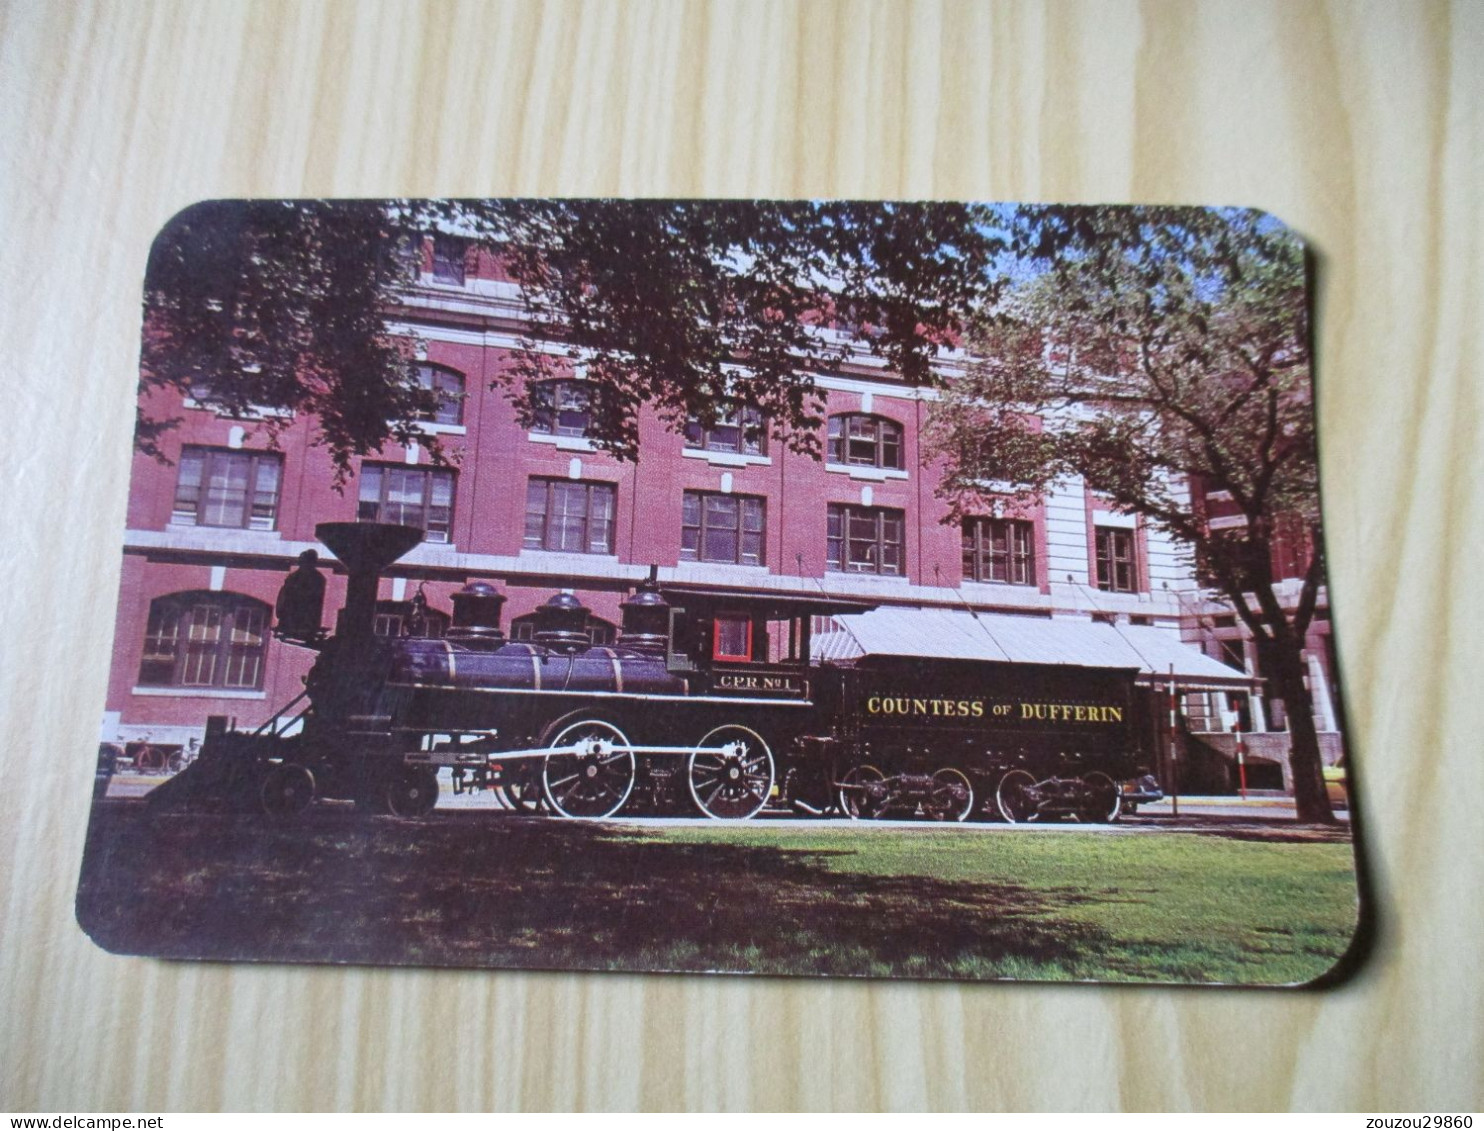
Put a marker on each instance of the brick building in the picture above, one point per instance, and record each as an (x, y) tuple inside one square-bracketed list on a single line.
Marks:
[(211, 535)]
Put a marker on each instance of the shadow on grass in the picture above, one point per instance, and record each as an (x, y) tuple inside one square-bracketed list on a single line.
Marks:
[(469, 889), (1273, 832)]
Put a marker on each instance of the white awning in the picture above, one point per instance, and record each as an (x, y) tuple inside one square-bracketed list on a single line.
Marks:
[(949, 634)]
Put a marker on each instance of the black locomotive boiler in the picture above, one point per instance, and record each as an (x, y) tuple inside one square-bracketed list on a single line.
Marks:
[(709, 704)]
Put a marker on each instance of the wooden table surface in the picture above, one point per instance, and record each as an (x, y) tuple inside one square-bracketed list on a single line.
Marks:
[(1359, 124)]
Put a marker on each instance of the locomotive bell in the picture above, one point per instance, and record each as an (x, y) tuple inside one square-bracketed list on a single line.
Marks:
[(561, 624), (646, 617), (476, 615)]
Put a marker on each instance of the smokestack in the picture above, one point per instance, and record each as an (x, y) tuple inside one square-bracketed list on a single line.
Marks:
[(364, 549)]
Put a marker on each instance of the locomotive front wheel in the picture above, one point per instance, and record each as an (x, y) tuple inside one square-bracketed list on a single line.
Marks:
[(595, 781), (287, 791), (730, 773), (1104, 799), (857, 797), (412, 792), (953, 796), (1014, 797)]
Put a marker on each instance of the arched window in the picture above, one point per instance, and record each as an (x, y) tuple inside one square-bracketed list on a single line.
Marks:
[(599, 631), (859, 440), (449, 385), (204, 639), (560, 408)]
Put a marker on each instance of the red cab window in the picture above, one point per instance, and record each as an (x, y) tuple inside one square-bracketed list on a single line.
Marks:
[(733, 638)]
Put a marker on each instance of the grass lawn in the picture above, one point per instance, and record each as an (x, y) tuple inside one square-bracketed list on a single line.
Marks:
[(1175, 907), (1247, 905)]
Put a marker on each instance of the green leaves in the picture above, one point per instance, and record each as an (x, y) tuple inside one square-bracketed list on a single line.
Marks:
[(1154, 344), (268, 309), (684, 306)]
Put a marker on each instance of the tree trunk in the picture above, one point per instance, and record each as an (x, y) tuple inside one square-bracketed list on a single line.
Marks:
[(1309, 795)]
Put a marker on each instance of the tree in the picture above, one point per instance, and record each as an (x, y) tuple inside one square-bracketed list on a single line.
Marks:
[(1165, 354), (685, 306), (283, 304)]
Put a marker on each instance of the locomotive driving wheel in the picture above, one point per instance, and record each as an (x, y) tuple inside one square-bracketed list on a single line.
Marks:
[(412, 791), (952, 798), (521, 789), (730, 773), (862, 792), (1015, 797), (594, 781), (287, 791), (1103, 799)]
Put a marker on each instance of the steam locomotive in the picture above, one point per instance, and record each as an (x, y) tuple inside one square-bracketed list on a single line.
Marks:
[(709, 704)]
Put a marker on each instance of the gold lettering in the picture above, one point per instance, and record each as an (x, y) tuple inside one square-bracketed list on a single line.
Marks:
[(873, 705), (978, 708)]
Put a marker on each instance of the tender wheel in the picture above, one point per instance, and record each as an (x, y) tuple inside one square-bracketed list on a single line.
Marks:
[(1104, 801), (953, 796), (731, 773), (857, 798), (412, 792), (287, 791), (1013, 796), (596, 781)]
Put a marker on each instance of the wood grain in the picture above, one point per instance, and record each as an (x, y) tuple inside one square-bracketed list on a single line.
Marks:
[(1358, 124)]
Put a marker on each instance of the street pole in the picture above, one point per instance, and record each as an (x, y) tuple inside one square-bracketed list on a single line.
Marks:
[(1174, 752)]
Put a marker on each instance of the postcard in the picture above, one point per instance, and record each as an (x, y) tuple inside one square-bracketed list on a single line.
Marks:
[(910, 590)]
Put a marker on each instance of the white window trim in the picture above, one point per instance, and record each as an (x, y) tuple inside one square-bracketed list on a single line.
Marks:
[(727, 459), (199, 692), (252, 412), (876, 474), (563, 443)]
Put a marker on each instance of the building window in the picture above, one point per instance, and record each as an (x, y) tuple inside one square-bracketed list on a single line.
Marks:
[(227, 488), (999, 549), (402, 618), (600, 632), (449, 385), (864, 540), (448, 259), (409, 496), (1232, 654), (560, 408), (857, 440), (740, 430), (573, 517), (722, 528), (1115, 560), (205, 640)]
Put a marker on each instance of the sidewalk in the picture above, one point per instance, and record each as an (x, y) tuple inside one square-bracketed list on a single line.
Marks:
[(1264, 805)]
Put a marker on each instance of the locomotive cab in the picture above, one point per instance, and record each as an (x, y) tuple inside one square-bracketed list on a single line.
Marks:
[(744, 645)]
